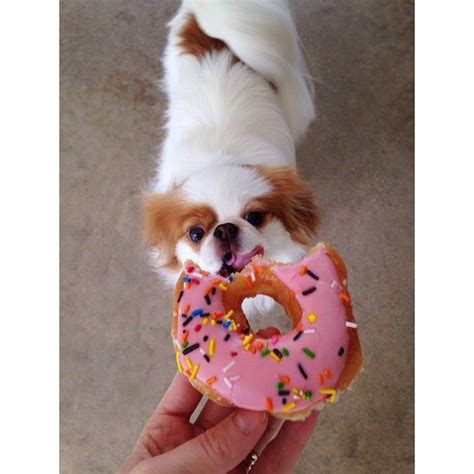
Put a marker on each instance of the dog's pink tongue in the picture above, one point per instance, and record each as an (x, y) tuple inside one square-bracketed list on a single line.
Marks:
[(268, 332), (239, 260)]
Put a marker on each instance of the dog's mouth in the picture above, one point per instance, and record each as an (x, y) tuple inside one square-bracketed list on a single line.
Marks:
[(233, 261)]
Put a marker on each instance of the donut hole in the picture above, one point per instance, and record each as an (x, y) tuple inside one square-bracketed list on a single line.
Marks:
[(269, 286), (263, 312)]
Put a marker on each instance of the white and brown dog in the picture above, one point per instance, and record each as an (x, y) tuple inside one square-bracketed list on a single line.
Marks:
[(226, 187)]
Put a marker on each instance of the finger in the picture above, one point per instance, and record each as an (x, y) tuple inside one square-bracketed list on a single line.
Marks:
[(179, 400), (217, 450), (212, 414), (283, 452)]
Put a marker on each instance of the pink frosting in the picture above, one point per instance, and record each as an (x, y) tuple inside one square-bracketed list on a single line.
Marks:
[(261, 382)]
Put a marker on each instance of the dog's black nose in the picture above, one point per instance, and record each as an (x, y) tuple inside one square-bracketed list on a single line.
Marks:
[(226, 232)]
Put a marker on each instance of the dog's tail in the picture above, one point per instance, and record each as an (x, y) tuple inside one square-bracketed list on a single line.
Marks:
[(261, 33)]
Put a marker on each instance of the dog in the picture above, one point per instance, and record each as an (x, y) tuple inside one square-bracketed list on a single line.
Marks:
[(226, 187)]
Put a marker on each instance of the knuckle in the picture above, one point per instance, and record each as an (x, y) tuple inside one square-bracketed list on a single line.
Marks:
[(215, 448)]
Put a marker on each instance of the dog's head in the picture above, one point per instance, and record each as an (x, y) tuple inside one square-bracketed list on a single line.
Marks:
[(222, 216)]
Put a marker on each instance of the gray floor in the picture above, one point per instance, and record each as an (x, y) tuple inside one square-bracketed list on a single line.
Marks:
[(116, 353)]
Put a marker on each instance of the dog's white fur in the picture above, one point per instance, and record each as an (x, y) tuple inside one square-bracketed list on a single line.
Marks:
[(223, 115)]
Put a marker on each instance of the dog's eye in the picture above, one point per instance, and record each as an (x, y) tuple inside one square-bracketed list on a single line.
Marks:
[(255, 218), (196, 233)]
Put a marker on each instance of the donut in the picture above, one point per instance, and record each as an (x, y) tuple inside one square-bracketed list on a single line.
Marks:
[(288, 375)]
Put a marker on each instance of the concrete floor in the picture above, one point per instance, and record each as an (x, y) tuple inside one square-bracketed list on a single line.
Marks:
[(116, 354)]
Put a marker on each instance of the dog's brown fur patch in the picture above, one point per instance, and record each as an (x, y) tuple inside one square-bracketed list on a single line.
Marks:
[(291, 200), (167, 218), (194, 41)]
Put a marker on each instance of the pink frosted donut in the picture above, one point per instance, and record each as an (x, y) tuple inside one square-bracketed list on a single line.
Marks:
[(288, 375)]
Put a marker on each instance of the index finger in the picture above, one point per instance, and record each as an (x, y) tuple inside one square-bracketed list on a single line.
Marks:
[(180, 399)]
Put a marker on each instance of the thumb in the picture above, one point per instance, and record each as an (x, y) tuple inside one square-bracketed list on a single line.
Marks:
[(218, 449)]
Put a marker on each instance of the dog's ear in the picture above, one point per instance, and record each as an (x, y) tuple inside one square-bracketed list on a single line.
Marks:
[(166, 219), (292, 201), (161, 225)]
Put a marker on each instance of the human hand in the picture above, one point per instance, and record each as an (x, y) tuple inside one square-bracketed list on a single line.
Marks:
[(218, 442)]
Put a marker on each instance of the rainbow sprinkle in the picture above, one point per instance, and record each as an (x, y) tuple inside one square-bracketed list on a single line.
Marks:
[(195, 371), (268, 404), (345, 296), (311, 317), (274, 356), (178, 363), (211, 346), (331, 392), (289, 406), (229, 366), (308, 352)]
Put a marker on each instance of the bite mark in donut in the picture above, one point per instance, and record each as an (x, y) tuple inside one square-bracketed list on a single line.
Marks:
[(289, 374)]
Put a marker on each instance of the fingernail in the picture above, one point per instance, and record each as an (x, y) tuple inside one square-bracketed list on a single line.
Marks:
[(248, 420)]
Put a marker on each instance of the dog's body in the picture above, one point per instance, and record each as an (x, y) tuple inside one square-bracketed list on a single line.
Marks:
[(226, 187)]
